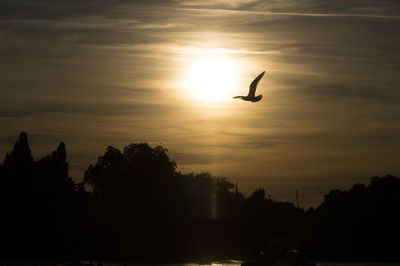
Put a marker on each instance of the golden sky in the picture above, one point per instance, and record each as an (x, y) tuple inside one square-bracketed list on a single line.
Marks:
[(101, 73)]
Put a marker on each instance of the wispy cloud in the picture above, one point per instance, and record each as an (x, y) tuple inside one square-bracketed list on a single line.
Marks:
[(236, 11), (213, 3)]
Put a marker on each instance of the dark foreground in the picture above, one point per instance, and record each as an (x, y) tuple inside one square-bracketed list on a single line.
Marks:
[(216, 263), (133, 205)]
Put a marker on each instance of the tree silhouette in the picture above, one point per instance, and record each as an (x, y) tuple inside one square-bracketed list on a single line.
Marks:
[(360, 223), (20, 158), (133, 204)]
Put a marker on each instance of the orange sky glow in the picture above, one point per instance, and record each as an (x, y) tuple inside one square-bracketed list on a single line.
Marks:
[(165, 72)]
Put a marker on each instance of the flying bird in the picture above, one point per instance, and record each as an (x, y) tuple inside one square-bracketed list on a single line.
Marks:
[(252, 91)]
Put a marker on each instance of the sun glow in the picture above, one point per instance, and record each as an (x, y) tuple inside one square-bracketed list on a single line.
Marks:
[(211, 78)]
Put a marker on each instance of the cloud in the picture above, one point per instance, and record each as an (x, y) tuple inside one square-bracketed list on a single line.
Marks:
[(217, 3), (103, 108), (54, 8), (24, 9), (272, 13)]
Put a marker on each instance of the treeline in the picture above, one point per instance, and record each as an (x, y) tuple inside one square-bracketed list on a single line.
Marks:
[(134, 205)]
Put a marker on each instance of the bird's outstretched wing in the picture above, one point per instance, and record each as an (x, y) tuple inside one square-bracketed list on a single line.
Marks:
[(253, 85)]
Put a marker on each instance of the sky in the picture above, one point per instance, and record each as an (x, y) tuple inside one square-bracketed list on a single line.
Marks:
[(113, 72)]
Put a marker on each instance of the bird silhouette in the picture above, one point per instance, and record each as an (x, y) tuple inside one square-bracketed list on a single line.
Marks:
[(251, 97)]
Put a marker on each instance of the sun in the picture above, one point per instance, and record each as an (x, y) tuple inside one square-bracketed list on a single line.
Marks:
[(211, 78)]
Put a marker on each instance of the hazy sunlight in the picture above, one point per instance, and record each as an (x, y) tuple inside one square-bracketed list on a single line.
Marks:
[(211, 78)]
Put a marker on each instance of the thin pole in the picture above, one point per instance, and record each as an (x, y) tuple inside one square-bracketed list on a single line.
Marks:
[(236, 187)]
